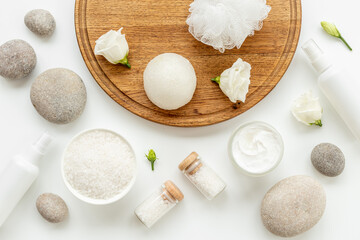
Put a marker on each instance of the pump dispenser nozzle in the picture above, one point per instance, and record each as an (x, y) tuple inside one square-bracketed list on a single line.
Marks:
[(316, 56), (43, 142)]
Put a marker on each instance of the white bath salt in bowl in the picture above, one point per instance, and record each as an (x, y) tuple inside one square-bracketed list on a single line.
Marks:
[(99, 166)]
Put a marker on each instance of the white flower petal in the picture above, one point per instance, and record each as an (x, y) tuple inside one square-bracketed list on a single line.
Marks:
[(113, 46), (307, 109), (235, 81)]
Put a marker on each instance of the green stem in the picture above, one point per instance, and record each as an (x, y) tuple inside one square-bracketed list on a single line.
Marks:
[(152, 165), (342, 39), (217, 79), (317, 123), (125, 61)]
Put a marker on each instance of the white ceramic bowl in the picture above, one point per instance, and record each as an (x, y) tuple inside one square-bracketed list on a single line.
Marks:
[(245, 171), (91, 200)]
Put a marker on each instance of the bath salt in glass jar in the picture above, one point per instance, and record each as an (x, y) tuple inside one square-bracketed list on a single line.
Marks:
[(159, 203), (202, 176)]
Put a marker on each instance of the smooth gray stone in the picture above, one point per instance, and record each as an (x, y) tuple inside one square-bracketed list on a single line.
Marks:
[(293, 206), (52, 207), (40, 22), (328, 159), (58, 95), (17, 59)]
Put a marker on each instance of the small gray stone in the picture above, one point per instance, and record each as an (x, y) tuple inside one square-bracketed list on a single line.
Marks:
[(328, 159), (40, 22), (58, 95), (293, 206), (17, 59), (52, 207)]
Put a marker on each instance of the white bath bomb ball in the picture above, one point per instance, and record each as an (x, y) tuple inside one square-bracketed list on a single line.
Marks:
[(169, 81)]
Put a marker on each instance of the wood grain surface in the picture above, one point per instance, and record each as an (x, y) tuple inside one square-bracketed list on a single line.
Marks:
[(155, 27)]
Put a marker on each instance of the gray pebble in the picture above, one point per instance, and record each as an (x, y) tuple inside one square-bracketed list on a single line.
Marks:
[(58, 95), (52, 207), (328, 159), (40, 22), (17, 59), (293, 206)]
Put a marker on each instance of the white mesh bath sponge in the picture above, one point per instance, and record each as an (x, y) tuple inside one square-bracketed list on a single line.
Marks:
[(225, 24)]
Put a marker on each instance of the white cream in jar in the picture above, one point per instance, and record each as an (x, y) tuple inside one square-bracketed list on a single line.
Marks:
[(256, 147)]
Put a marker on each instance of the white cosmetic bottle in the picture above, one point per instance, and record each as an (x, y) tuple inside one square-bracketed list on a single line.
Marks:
[(341, 89), (19, 175)]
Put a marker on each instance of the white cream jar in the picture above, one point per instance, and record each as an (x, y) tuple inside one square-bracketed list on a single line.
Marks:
[(256, 148)]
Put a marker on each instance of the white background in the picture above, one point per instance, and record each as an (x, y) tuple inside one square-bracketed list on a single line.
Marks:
[(232, 215)]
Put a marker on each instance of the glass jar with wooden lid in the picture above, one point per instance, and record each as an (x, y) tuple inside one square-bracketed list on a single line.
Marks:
[(159, 203), (202, 176)]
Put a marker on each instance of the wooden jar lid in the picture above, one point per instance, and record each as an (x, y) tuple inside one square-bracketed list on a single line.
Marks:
[(188, 161), (174, 190)]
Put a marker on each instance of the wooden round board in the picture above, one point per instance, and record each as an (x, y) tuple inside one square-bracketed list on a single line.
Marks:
[(155, 27)]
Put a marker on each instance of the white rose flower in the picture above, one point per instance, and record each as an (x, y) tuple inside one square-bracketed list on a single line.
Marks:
[(307, 109), (234, 82), (114, 47)]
